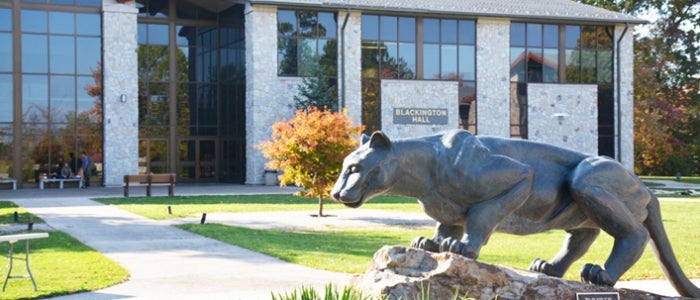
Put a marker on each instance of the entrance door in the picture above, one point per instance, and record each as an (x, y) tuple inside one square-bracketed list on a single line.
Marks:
[(197, 160)]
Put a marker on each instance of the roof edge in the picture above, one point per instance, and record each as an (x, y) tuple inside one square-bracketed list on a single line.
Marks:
[(324, 4)]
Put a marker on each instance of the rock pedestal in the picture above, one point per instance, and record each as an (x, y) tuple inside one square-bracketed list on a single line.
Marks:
[(407, 273)]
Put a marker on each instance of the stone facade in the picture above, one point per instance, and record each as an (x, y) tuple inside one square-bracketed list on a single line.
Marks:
[(493, 77), (269, 98), (564, 115), (120, 65), (417, 94)]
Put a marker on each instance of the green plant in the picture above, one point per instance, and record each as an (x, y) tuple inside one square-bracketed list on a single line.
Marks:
[(310, 149), (330, 293)]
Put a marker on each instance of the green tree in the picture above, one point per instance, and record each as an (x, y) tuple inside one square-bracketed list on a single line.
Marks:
[(316, 91), (310, 149), (667, 102)]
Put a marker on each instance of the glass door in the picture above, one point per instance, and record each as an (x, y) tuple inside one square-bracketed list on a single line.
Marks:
[(153, 156), (197, 160)]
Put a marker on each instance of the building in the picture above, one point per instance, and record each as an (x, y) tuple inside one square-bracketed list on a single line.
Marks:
[(191, 87)]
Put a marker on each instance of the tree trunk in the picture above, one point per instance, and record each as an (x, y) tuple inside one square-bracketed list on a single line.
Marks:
[(320, 206)]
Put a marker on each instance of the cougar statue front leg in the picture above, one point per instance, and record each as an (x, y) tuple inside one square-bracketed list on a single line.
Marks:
[(473, 186)]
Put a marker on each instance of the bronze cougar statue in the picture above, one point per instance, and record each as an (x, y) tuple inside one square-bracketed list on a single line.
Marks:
[(473, 186)]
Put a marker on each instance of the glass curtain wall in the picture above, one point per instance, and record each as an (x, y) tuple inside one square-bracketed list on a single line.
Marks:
[(51, 102), (6, 93), (191, 91)]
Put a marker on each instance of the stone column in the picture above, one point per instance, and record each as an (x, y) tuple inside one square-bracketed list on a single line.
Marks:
[(493, 77), (353, 64), (261, 85), (624, 89), (120, 91)]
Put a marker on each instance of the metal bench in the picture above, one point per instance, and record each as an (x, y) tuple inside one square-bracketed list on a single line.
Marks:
[(60, 181), (149, 180), (10, 180), (12, 239)]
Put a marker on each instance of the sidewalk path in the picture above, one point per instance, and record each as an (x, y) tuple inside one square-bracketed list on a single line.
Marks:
[(168, 263), (164, 261)]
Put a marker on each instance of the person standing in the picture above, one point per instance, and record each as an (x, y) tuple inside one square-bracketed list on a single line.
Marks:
[(86, 169), (74, 164)]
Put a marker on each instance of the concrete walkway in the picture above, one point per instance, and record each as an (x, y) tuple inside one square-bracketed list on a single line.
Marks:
[(166, 262)]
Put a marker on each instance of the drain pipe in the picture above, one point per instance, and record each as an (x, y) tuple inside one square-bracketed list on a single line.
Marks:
[(619, 97), (341, 101)]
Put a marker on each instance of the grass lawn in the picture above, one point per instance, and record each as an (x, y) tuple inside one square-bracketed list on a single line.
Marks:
[(351, 250), (193, 206), (60, 264), (686, 179), (7, 214)]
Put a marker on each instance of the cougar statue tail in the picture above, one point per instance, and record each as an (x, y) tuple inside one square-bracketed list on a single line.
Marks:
[(476, 185), (664, 253)]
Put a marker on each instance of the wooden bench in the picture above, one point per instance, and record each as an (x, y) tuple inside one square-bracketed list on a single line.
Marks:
[(149, 180), (60, 182), (10, 180), (12, 239)]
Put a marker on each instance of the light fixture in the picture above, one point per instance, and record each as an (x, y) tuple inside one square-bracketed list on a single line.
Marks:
[(560, 116), (122, 98)]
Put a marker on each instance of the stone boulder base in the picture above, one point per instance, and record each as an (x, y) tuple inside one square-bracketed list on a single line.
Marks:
[(406, 273)]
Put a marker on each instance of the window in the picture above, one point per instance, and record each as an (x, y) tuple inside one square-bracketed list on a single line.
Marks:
[(389, 47), (388, 51), (535, 53), (60, 53), (93, 3), (449, 49), (59, 56), (5, 71), (305, 39)]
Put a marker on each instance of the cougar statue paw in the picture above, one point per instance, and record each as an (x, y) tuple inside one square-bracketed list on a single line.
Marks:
[(591, 273), (542, 266), (475, 185), (425, 244)]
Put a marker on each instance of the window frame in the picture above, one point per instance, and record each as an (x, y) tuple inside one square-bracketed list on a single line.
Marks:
[(299, 37), (567, 71)]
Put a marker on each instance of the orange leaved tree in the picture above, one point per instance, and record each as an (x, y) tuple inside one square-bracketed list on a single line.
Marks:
[(310, 149)]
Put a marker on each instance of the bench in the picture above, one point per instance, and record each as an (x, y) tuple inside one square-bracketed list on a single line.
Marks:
[(12, 239), (10, 180), (149, 180), (60, 182)]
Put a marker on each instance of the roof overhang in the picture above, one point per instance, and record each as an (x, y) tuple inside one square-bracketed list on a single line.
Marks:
[(551, 11)]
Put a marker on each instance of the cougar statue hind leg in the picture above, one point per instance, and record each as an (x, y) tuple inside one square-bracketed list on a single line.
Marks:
[(473, 186)]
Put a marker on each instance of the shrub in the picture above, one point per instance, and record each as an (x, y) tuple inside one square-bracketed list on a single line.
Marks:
[(310, 149)]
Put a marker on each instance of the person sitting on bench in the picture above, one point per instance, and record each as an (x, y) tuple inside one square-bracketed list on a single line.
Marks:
[(66, 171)]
